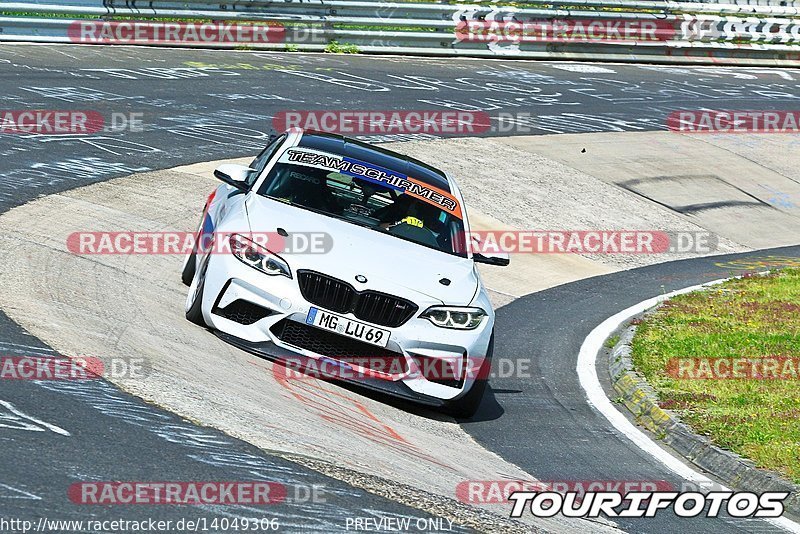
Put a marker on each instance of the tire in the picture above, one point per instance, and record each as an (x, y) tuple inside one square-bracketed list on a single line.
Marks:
[(467, 406), (189, 268), (194, 312)]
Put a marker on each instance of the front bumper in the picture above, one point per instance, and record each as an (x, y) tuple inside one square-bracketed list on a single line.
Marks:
[(281, 355), (417, 342)]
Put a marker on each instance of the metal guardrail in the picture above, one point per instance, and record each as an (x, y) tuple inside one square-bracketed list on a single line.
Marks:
[(664, 31)]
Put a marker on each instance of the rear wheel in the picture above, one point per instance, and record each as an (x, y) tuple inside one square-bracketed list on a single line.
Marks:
[(467, 406)]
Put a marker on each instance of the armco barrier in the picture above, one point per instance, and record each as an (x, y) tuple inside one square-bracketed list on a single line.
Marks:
[(611, 30)]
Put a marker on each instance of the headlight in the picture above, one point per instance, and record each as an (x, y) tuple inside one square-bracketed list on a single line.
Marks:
[(457, 318), (258, 257)]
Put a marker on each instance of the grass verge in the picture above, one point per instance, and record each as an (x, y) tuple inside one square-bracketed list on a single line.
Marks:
[(727, 361)]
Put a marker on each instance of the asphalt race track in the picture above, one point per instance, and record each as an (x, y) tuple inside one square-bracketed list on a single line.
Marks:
[(548, 328), (204, 105), (114, 436), (200, 104)]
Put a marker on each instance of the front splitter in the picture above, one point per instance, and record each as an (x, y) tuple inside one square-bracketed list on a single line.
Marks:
[(300, 362)]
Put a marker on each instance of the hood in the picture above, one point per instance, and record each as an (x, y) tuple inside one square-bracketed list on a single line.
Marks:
[(390, 264)]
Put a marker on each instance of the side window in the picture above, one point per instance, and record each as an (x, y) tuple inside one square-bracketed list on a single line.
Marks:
[(261, 161)]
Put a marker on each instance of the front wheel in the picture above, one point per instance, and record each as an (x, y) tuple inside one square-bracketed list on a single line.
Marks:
[(467, 406), (190, 262), (194, 301), (189, 268)]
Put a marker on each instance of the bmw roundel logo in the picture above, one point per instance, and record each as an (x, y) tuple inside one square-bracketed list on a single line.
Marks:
[(361, 278)]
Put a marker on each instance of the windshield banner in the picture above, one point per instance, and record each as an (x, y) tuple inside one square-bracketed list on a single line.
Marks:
[(373, 173)]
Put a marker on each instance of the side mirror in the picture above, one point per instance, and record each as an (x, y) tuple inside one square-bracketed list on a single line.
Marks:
[(234, 175), (496, 258)]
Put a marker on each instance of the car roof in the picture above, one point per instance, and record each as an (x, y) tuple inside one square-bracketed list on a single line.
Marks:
[(345, 146)]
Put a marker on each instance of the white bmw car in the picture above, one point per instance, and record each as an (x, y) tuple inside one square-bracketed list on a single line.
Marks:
[(334, 253)]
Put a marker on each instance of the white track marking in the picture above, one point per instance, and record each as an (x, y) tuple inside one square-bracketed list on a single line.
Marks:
[(16, 493), (587, 374), (583, 68), (53, 428), (32, 347)]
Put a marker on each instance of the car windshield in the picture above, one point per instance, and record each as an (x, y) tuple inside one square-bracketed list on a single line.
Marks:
[(368, 196)]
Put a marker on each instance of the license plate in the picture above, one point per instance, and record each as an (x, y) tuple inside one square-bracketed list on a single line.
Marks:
[(347, 327)]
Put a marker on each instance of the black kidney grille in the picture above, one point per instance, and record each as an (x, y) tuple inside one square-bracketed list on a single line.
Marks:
[(383, 309), (325, 291), (341, 297)]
